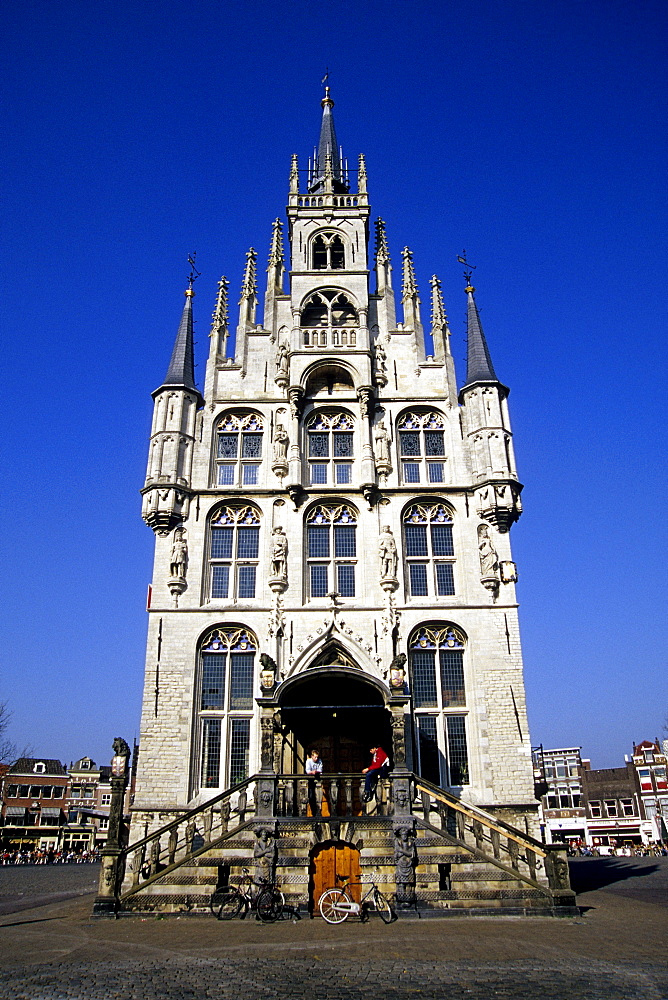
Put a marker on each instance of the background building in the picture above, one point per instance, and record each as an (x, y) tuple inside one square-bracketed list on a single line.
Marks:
[(562, 809), (649, 761), (33, 804)]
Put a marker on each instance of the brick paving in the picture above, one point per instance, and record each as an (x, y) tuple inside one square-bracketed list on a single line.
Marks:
[(615, 951)]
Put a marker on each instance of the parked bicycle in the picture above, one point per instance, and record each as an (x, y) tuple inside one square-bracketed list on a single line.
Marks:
[(336, 904), (263, 896)]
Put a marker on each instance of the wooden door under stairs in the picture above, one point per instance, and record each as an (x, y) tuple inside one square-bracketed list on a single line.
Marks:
[(332, 863)]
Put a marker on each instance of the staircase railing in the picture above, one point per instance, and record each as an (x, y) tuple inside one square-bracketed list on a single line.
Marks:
[(481, 832), (335, 795), (186, 836)]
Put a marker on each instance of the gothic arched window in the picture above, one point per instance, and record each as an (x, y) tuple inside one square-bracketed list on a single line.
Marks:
[(331, 550), (328, 317), (238, 449), (439, 698), (422, 447), (227, 671), (328, 252), (429, 550), (234, 540), (330, 448)]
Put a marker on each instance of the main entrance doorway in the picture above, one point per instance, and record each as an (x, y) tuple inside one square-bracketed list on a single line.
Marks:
[(338, 712), (331, 863)]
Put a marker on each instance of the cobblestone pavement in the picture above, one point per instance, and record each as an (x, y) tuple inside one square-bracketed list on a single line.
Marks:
[(615, 951), (231, 979)]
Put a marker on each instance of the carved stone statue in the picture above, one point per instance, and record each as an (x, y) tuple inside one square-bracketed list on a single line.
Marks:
[(381, 359), (178, 563), (120, 747), (489, 560), (279, 553), (387, 550), (398, 672), (405, 859), (282, 361), (382, 444), (280, 445), (264, 852)]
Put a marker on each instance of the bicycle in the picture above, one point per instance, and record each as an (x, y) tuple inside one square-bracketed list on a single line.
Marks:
[(336, 905), (268, 900)]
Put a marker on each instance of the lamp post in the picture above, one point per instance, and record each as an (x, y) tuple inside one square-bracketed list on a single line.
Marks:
[(106, 901)]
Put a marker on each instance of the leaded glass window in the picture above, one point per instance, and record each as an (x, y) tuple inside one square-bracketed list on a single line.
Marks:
[(422, 447), (429, 550), (329, 318), (330, 448), (234, 534), (227, 677), (331, 547), (439, 702), (238, 449)]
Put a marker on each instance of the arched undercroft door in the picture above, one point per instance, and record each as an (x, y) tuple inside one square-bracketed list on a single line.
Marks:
[(331, 862)]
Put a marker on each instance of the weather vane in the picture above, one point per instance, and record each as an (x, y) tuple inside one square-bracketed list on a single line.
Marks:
[(468, 268), (194, 273)]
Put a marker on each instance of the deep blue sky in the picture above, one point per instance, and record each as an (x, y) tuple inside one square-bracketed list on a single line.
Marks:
[(531, 133)]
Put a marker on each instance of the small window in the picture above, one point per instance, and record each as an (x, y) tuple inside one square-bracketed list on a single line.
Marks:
[(627, 807), (595, 809), (239, 449), (331, 548), (234, 553), (429, 551), (611, 807), (422, 448), (39, 768), (330, 448)]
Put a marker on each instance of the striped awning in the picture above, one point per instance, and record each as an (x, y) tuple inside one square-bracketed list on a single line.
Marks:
[(49, 812), (15, 811)]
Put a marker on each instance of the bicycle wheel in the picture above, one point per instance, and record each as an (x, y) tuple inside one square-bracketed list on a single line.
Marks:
[(383, 907), (226, 902), (270, 905), (328, 904)]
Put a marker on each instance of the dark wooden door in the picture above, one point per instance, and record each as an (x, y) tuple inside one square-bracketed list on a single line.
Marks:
[(331, 862)]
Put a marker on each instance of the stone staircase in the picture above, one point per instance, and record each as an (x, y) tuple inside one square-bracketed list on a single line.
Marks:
[(462, 860)]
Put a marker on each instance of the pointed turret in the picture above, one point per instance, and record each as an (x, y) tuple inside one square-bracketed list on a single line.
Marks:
[(181, 371), (328, 147), (485, 412), (479, 367), (167, 491)]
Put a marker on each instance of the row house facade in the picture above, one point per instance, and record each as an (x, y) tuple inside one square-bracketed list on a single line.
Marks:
[(48, 807), (603, 807)]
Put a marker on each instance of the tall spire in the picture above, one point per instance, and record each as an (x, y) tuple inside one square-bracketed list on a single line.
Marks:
[(181, 371), (328, 146), (479, 367)]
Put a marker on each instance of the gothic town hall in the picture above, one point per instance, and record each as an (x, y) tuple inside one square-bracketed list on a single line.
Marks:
[(333, 571)]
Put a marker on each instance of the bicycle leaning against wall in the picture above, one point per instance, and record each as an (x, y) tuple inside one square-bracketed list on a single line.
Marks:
[(263, 896)]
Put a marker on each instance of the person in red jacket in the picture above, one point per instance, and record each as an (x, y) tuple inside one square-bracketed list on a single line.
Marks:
[(378, 768)]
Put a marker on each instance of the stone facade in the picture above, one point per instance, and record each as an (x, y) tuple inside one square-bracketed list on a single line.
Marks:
[(394, 494)]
